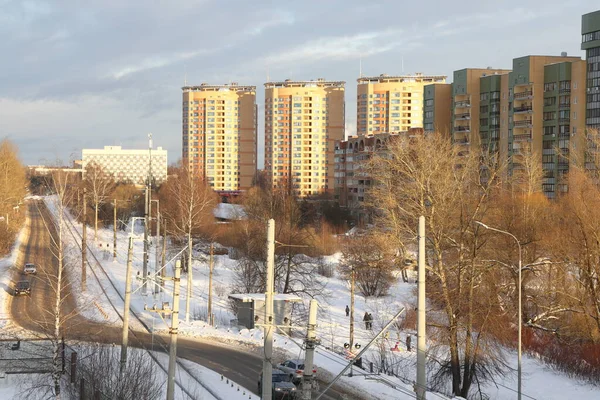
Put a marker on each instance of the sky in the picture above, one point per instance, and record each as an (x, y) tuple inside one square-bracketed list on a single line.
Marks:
[(86, 74)]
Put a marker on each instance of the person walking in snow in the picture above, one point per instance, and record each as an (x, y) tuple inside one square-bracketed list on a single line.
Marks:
[(408, 342), (347, 311), (370, 322), (366, 320)]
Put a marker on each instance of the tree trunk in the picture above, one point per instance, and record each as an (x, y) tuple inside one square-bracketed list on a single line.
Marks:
[(96, 220)]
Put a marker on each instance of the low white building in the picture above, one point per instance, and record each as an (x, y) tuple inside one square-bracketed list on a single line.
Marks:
[(128, 165)]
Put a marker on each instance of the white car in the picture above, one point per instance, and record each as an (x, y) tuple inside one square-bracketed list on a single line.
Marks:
[(295, 369), (30, 268)]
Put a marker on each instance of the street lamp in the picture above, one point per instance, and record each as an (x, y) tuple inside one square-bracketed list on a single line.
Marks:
[(520, 307)]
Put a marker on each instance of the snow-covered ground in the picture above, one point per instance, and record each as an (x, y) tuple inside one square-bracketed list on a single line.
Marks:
[(539, 381)]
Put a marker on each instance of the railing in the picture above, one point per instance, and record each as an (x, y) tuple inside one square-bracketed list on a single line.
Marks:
[(462, 128), (520, 137), (463, 116), (523, 109), (462, 104), (521, 95), (525, 122)]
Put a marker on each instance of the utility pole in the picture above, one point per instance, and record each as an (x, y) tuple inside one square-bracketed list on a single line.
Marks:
[(114, 229), (173, 333), (84, 243), (163, 271), (125, 333), (157, 286), (421, 333), (173, 330), (311, 342), (145, 261), (189, 280), (352, 283), (210, 284), (268, 327)]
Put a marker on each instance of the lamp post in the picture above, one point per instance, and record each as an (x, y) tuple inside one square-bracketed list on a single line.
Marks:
[(520, 311)]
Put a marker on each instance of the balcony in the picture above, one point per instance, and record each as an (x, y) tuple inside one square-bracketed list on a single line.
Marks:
[(522, 137), (463, 116), (462, 141), (525, 123), (564, 105), (462, 129), (523, 109), (462, 104), (523, 95)]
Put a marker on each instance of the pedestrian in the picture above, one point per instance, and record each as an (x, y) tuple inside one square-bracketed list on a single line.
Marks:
[(347, 311), (366, 320), (370, 321), (408, 342)]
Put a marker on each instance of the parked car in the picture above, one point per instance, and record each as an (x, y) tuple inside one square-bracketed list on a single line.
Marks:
[(22, 287), (30, 268), (295, 369), (282, 386)]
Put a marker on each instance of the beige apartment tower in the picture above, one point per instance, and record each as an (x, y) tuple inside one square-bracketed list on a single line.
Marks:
[(391, 103), (219, 134), (303, 120)]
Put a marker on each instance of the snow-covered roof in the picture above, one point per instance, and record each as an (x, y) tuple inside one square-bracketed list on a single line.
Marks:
[(249, 297), (229, 211)]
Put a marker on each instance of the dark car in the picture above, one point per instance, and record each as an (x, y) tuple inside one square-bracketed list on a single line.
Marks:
[(283, 388), (22, 287)]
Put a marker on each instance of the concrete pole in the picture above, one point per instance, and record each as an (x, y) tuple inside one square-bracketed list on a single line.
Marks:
[(163, 271), (157, 264), (145, 261), (125, 333), (210, 283), (84, 244), (311, 337), (421, 333), (519, 367), (173, 332), (189, 280), (352, 284), (114, 229), (268, 346)]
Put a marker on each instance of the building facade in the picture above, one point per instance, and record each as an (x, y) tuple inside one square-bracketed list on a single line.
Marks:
[(437, 108), (590, 42), (545, 115), (220, 134), (391, 103), (128, 166), (466, 101), (352, 180), (303, 120)]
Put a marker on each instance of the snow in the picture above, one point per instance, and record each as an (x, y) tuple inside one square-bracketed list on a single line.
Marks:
[(539, 381), (229, 211), (249, 297), (6, 264)]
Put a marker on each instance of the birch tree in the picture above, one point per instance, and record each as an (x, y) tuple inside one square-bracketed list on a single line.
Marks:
[(100, 186)]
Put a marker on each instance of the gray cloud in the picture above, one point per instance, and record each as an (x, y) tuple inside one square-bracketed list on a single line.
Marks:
[(86, 74)]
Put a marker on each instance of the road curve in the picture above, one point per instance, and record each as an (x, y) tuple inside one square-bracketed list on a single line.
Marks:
[(35, 314)]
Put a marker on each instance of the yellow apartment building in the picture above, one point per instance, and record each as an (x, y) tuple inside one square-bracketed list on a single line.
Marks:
[(391, 103), (303, 120), (219, 134)]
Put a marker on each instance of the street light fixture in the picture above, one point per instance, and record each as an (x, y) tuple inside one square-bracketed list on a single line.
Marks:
[(520, 306)]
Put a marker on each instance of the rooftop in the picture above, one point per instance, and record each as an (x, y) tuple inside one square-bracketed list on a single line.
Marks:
[(205, 87), (311, 83), (418, 77)]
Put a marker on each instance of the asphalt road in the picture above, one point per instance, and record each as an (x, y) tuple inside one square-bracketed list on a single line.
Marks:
[(35, 313)]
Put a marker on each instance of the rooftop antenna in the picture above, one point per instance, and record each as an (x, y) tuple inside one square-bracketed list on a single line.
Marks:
[(360, 67)]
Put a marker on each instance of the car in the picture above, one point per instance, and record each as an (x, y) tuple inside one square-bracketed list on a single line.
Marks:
[(295, 369), (22, 287), (30, 268), (282, 387)]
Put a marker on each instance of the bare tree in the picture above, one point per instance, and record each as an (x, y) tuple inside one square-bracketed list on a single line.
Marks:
[(99, 186), (12, 190), (427, 175)]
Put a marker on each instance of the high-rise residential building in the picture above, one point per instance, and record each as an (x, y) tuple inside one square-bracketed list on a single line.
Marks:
[(352, 179), (128, 166), (219, 134), (590, 42), (303, 119), (466, 99), (391, 103), (437, 108), (546, 111)]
